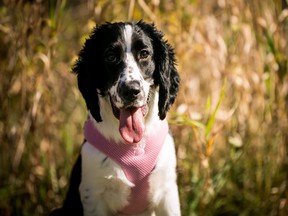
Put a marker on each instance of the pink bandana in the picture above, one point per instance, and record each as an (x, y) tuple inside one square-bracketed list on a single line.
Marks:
[(137, 162)]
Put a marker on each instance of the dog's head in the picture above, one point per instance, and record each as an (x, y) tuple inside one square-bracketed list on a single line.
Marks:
[(126, 63)]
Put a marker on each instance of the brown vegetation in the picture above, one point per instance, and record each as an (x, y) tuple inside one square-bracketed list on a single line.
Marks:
[(229, 121)]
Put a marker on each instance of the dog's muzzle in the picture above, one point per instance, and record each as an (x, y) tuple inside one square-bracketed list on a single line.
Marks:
[(132, 114), (131, 93)]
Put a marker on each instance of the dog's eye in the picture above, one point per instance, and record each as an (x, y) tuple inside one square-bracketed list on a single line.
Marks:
[(111, 57), (143, 54)]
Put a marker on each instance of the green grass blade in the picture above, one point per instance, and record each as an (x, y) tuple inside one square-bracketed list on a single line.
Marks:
[(211, 120)]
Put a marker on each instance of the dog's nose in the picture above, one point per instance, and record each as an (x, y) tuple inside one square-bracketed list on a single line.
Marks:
[(129, 91)]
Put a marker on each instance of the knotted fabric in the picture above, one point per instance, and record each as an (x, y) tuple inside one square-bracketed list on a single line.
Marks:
[(136, 160)]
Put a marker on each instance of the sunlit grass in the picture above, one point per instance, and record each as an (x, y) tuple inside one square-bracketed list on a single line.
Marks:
[(229, 120)]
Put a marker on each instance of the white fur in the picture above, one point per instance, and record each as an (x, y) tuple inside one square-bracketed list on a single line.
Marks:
[(104, 188), (109, 127), (131, 73), (128, 31)]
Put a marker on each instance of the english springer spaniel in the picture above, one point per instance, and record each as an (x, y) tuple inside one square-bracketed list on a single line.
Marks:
[(127, 166)]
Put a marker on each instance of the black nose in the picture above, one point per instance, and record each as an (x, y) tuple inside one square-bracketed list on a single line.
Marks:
[(130, 91)]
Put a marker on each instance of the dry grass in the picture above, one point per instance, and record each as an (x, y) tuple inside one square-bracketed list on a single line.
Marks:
[(229, 121)]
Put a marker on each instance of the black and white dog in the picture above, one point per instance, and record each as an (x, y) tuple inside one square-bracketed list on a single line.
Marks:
[(127, 166)]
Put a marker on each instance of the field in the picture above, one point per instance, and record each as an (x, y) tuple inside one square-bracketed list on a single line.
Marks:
[(230, 119)]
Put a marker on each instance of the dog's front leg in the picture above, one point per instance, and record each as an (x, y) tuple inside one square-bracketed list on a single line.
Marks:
[(169, 205), (163, 182), (90, 194)]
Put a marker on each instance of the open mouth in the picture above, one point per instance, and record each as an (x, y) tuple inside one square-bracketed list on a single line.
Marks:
[(131, 122)]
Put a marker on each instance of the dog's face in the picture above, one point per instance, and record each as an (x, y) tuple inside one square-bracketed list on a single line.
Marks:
[(126, 63)]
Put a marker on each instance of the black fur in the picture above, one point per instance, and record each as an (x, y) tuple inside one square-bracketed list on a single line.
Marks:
[(72, 204), (92, 72), (97, 71)]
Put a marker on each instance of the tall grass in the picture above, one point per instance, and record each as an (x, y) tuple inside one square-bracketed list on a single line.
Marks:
[(229, 121)]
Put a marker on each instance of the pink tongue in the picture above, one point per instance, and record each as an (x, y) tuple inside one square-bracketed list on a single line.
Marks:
[(131, 125)]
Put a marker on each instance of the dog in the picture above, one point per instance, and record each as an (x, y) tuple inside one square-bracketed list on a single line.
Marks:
[(127, 166)]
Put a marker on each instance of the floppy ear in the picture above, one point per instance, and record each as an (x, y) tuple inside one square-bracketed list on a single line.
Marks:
[(165, 74), (85, 68)]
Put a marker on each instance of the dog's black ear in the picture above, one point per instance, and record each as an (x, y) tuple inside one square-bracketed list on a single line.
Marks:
[(86, 68), (165, 75)]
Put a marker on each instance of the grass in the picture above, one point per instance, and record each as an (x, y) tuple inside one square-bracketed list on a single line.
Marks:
[(229, 121)]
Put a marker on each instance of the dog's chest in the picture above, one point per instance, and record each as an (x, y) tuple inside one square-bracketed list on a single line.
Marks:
[(130, 165), (104, 187)]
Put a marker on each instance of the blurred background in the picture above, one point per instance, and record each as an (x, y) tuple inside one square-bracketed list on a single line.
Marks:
[(229, 121)]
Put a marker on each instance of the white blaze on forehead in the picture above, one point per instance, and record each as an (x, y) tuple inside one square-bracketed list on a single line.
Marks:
[(130, 73), (128, 37)]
